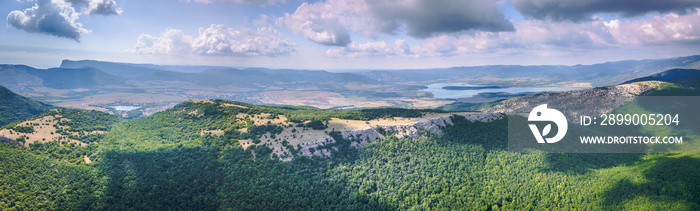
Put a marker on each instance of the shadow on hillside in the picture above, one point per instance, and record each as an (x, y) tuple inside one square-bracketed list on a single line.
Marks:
[(494, 136), (582, 163), (206, 179), (490, 135), (672, 183), (178, 179)]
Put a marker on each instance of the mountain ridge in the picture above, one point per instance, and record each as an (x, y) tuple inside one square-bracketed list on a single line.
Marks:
[(686, 77), (14, 107)]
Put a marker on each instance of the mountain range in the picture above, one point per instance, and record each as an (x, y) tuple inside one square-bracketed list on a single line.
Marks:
[(103, 86)]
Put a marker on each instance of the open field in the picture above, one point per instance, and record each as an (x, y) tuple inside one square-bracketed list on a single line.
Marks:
[(45, 130)]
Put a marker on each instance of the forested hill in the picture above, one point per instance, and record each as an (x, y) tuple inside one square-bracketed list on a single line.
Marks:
[(277, 132), (202, 155), (14, 107), (686, 77)]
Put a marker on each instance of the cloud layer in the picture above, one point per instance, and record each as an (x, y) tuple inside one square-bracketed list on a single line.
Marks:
[(399, 48), (547, 38), (216, 40), (583, 10), (59, 17), (97, 7), (426, 18), (330, 22), (256, 2)]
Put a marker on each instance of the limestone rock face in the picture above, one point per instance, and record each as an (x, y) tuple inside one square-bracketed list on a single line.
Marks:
[(416, 129), (575, 103)]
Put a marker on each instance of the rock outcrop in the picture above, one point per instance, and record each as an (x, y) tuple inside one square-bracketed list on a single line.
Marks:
[(588, 102), (362, 137)]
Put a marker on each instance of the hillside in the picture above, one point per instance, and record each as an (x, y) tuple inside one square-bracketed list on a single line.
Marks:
[(219, 155), (294, 131), (590, 102), (215, 154), (14, 107), (685, 77), (77, 131), (674, 82)]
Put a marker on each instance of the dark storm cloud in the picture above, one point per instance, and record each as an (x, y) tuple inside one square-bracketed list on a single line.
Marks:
[(426, 18), (330, 22), (582, 10)]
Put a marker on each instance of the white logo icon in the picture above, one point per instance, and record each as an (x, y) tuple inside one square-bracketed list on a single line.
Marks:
[(543, 114)]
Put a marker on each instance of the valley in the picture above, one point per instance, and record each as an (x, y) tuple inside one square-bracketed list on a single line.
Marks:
[(97, 85)]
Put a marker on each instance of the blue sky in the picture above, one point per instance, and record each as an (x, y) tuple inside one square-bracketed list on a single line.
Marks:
[(347, 34)]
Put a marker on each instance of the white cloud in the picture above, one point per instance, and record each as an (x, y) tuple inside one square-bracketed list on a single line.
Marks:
[(325, 23), (263, 41), (172, 41), (97, 7), (256, 2), (399, 48), (264, 20), (216, 40), (668, 29)]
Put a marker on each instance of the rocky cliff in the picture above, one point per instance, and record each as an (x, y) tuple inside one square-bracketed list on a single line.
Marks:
[(362, 137)]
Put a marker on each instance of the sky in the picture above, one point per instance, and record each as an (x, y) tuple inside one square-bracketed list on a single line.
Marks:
[(347, 34)]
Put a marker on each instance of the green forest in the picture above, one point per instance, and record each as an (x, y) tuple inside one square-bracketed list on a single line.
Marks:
[(161, 162)]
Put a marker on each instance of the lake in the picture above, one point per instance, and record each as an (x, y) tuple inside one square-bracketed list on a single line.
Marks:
[(455, 92), (125, 108)]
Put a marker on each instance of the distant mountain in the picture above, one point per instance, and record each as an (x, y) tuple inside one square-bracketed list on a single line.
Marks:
[(176, 68), (68, 78), (90, 84), (604, 74), (119, 69), (686, 77), (14, 107), (217, 76), (595, 101), (17, 77)]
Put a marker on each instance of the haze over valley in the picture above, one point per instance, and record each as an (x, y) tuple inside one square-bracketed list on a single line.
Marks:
[(98, 85)]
